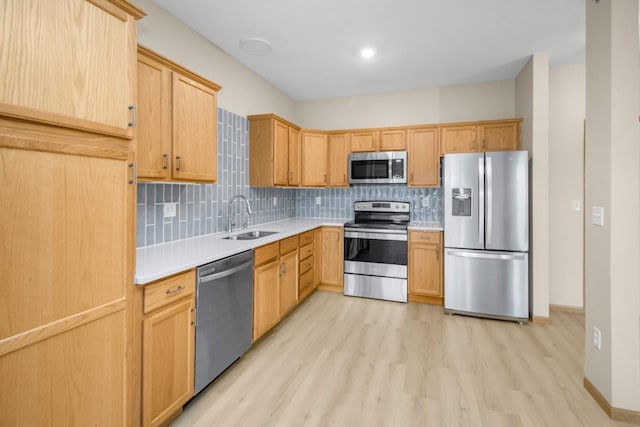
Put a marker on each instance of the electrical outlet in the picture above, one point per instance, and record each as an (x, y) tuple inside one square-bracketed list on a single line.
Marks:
[(275, 201), (318, 200), (170, 210), (597, 338), (597, 215), (425, 201)]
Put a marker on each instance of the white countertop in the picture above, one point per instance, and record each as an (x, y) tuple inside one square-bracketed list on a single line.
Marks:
[(425, 225), (158, 261)]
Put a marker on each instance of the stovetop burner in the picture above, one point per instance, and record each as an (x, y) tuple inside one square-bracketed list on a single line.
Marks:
[(387, 215)]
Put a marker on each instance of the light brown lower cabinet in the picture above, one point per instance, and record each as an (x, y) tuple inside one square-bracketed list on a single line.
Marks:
[(275, 283), (168, 338), (425, 267), (332, 262)]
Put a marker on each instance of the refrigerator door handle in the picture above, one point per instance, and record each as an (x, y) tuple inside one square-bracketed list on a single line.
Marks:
[(502, 256), (489, 200), (481, 200)]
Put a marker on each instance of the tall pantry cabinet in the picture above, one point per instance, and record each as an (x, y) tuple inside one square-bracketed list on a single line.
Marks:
[(67, 197)]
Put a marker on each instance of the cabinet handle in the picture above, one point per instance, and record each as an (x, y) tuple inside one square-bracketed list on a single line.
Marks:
[(166, 161), (179, 159), (344, 178), (133, 121), (325, 177), (134, 173), (175, 291)]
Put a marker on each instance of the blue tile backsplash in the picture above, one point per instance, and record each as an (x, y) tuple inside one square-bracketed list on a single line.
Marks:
[(202, 208)]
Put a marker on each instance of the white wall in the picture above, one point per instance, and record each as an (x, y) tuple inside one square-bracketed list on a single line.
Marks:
[(612, 251), (243, 92), (483, 101), (567, 88), (532, 104)]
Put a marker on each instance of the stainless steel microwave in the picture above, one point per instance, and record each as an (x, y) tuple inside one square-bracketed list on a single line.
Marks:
[(384, 167)]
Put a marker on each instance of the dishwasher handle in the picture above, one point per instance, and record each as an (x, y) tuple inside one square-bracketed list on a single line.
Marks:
[(225, 273)]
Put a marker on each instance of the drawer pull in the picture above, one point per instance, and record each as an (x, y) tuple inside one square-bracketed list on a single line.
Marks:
[(175, 291)]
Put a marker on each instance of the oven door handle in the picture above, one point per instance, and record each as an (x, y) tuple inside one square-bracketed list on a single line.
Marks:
[(375, 234)]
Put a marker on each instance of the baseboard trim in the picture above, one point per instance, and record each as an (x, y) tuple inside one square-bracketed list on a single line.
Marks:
[(422, 299), (540, 320), (615, 414), (566, 308), (330, 288)]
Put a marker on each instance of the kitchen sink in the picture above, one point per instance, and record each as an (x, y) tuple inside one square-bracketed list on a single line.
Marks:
[(250, 235)]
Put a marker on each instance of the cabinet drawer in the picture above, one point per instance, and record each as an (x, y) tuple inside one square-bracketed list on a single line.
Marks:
[(306, 280), (289, 244), (266, 253), (306, 264), (166, 291), (425, 236), (306, 238), (306, 251)]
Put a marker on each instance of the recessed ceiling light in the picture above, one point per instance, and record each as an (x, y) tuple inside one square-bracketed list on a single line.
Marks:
[(367, 52), (255, 46)]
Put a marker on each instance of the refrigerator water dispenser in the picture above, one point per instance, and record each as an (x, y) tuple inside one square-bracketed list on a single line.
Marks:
[(461, 201)]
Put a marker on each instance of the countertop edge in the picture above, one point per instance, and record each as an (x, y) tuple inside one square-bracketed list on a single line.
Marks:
[(159, 261)]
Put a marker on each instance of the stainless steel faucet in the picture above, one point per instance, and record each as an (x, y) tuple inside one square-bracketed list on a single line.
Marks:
[(230, 224)]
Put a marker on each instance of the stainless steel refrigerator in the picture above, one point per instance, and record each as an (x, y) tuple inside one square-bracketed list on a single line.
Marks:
[(486, 234)]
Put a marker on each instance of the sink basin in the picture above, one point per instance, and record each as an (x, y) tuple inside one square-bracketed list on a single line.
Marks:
[(250, 235)]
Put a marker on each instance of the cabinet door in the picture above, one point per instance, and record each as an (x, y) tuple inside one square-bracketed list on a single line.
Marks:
[(315, 159), (195, 122), (423, 157), (364, 141), (288, 282), (332, 256), (393, 140), (425, 270), (317, 257), (459, 139), (280, 153), (294, 157), (153, 129), (339, 148), (70, 62), (500, 136), (168, 358), (266, 298)]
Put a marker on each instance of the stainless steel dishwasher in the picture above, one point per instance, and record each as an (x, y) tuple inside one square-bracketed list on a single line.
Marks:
[(224, 313)]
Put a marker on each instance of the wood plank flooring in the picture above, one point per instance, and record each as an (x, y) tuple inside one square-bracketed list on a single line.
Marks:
[(342, 361)]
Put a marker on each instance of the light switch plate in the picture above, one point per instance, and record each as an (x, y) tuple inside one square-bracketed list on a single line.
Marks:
[(170, 210), (275, 201), (597, 216), (318, 200)]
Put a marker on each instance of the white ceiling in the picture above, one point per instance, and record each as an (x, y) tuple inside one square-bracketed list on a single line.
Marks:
[(419, 43)]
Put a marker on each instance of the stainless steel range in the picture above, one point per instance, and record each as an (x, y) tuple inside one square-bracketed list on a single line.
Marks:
[(375, 251)]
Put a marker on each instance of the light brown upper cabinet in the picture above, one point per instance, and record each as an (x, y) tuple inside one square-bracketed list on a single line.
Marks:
[(499, 135), (366, 140), (315, 158), (379, 140), (339, 148), (274, 151), (393, 140), (423, 157), (459, 139), (177, 122), (71, 63)]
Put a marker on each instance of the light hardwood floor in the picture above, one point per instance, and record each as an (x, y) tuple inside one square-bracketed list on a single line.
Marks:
[(341, 361)]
